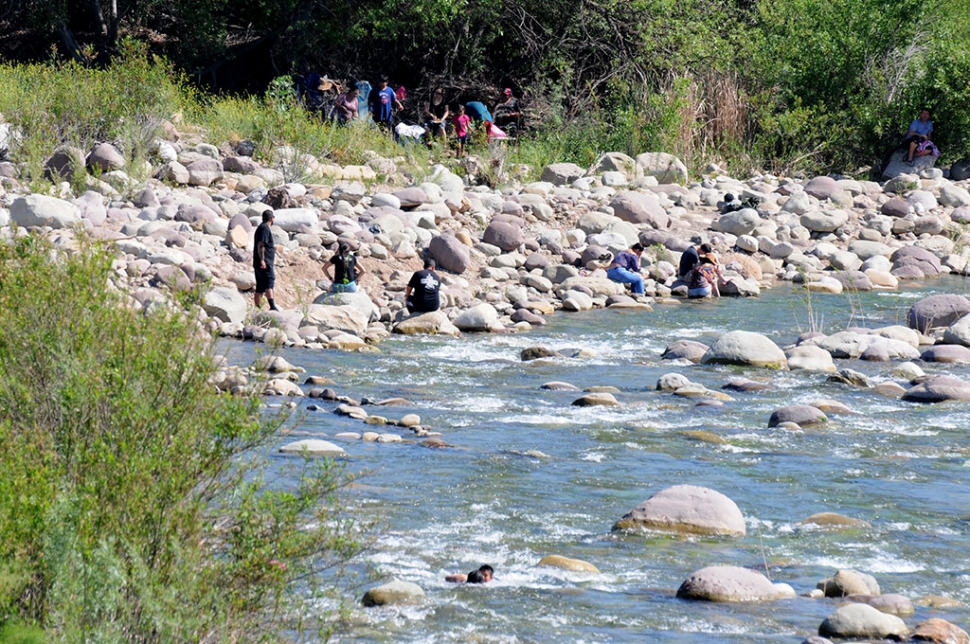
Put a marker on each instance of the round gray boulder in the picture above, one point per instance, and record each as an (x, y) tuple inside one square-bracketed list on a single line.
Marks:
[(937, 311), (849, 582), (313, 447), (685, 350), (732, 584), (686, 509), (938, 389), (504, 235), (862, 620), (450, 253), (802, 415), (745, 348), (640, 208), (41, 210), (226, 304), (395, 592)]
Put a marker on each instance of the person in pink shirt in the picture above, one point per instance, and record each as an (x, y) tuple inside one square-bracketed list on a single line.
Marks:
[(461, 121)]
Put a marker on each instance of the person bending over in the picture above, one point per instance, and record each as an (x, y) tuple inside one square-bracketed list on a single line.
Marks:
[(691, 258), (625, 268)]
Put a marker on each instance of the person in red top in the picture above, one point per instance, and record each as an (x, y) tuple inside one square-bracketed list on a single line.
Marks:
[(461, 121), (704, 278)]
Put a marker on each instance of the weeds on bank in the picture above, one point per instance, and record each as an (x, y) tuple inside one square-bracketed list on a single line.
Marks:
[(133, 505)]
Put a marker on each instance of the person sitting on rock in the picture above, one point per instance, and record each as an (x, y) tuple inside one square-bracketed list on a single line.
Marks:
[(346, 270), (691, 258), (482, 575), (918, 138), (625, 268), (422, 292), (704, 279)]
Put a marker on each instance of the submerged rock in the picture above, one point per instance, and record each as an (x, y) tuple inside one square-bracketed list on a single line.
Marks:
[(395, 592), (573, 565)]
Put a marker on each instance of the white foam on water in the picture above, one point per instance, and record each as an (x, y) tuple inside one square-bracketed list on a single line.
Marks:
[(875, 561), (538, 419), (597, 457), (475, 403)]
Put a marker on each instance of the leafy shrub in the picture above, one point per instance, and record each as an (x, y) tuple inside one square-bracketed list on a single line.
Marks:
[(133, 506)]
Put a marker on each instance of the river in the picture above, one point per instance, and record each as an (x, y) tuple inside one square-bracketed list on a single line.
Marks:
[(899, 466)]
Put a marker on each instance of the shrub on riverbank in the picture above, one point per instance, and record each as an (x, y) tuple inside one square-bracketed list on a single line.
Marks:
[(132, 505)]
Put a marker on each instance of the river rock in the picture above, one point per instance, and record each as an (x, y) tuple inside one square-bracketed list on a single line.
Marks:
[(450, 253), (432, 323), (745, 348), (732, 584), (809, 358), (225, 304), (639, 208), (294, 220), (535, 353), (106, 157), (822, 187), (862, 621), (686, 509), (802, 415), (347, 318), (740, 222), (958, 332), (939, 630), (685, 350), (41, 210), (834, 520), (672, 382), (560, 174), (938, 389), (600, 399), (395, 592), (849, 582), (281, 387), (665, 167), (891, 603), (204, 172), (952, 353), (482, 317), (556, 385), (313, 447), (824, 221), (565, 563), (506, 236), (937, 311)]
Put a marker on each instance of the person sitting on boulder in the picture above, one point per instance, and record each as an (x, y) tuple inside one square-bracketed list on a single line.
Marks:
[(346, 270), (691, 258), (918, 137), (704, 279), (625, 268), (422, 292), (481, 575)]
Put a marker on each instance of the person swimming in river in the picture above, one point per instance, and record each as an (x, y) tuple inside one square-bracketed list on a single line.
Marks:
[(481, 575)]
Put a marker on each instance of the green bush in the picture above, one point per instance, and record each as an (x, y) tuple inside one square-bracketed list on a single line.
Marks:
[(133, 506)]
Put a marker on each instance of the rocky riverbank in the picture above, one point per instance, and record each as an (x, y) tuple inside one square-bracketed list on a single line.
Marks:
[(507, 256)]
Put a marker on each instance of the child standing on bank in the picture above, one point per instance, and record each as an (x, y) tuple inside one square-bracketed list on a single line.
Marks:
[(461, 121)]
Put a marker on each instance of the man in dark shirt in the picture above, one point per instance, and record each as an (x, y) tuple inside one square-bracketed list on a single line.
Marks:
[(421, 295), (690, 258), (264, 253)]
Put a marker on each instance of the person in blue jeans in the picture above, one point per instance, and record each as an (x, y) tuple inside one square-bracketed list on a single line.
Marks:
[(625, 268)]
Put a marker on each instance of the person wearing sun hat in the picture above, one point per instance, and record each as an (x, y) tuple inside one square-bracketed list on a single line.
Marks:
[(507, 112)]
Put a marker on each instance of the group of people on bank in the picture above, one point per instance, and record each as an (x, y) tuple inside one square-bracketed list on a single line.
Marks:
[(385, 105), (698, 267)]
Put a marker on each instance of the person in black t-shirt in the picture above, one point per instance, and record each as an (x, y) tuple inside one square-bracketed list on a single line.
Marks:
[(346, 270), (264, 253), (691, 258), (421, 295)]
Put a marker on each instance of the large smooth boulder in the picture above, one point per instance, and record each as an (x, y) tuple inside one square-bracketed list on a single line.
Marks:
[(939, 630), (958, 332), (346, 318), (822, 187), (862, 621), (686, 509), (802, 415), (745, 348), (106, 157), (737, 223), (560, 174), (433, 323), (824, 221), (450, 253), (294, 220), (226, 304), (395, 592), (313, 447), (204, 172), (640, 208), (616, 162), (665, 167), (809, 358), (685, 350), (565, 563), (938, 389), (732, 584), (482, 317), (951, 353), (41, 210), (849, 582), (937, 311), (506, 236)]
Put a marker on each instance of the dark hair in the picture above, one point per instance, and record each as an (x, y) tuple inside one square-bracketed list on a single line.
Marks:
[(343, 248), (486, 568), (428, 263), (268, 216), (476, 577), (637, 246), (706, 248), (385, 79)]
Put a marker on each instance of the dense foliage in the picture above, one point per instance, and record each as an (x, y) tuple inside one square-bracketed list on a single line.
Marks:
[(132, 506), (773, 84)]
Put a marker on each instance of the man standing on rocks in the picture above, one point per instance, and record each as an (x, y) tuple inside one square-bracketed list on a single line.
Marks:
[(264, 253), (421, 295)]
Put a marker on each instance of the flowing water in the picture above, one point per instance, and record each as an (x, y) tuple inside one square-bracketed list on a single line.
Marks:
[(902, 467)]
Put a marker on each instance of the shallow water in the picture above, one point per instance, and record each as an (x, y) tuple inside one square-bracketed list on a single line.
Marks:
[(901, 467)]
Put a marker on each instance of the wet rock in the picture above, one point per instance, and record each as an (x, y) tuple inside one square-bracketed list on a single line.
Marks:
[(433, 323), (891, 604), (939, 630), (937, 311), (850, 377), (938, 601), (938, 389), (535, 353), (809, 358), (565, 563), (743, 384), (395, 592), (559, 386), (849, 582), (861, 620), (958, 332), (281, 387), (672, 382), (482, 317), (949, 353), (833, 520), (732, 584), (685, 350), (802, 415), (313, 447), (596, 399), (745, 348), (686, 509), (828, 406)]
